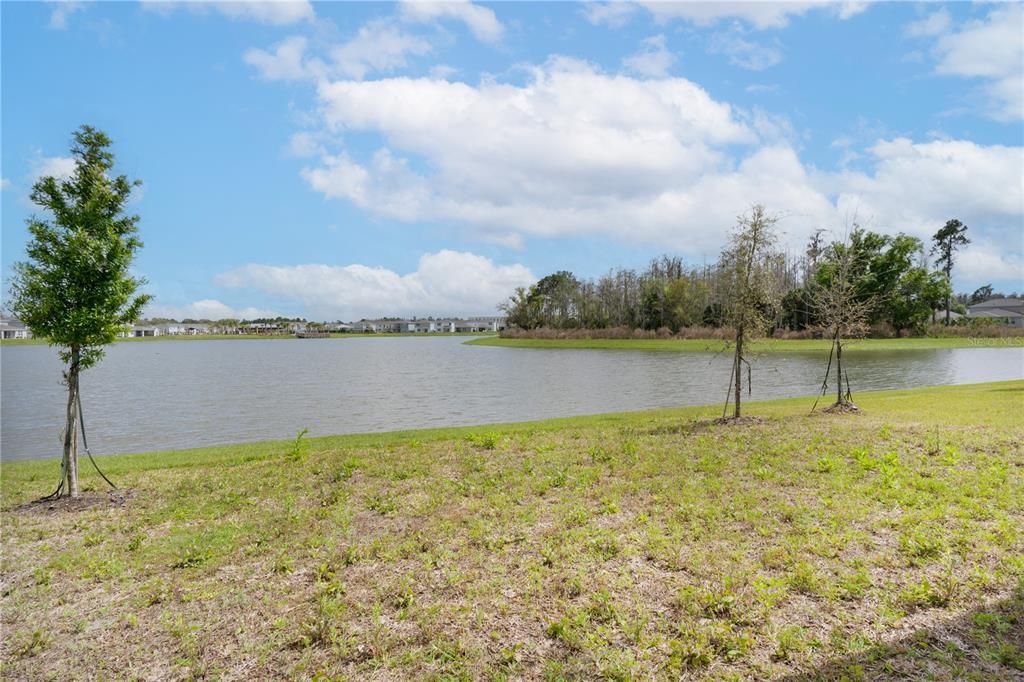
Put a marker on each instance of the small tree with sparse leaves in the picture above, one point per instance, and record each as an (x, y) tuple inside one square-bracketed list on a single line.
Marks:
[(749, 268), (843, 311), (76, 289)]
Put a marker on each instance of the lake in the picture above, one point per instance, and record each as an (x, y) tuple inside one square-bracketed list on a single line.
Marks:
[(183, 394)]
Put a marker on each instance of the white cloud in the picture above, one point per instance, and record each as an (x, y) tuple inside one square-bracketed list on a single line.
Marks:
[(304, 145), (480, 20), (936, 23), (761, 14), (284, 63), (670, 170), (61, 12), (990, 49), (916, 187), (444, 283), (4, 183), (744, 53), (60, 167), (206, 309), (614, 14), (274, 12), (989, 262), (380, 45), (653, 59)]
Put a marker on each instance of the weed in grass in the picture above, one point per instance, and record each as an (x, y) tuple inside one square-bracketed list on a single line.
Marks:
[(348, 467), (569, 629), (32, 644), (382, 503), (921, 545), (826, 465), (283, 564), (297, 451), (804, 578), (924, 594), (853, 585), (485, 441), (690, 650), (195, 553), (156, 591), (790, 640)]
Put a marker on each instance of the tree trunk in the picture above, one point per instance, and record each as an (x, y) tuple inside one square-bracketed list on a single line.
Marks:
[(949, 281), (71, 428), (839, 370), (739, 371)]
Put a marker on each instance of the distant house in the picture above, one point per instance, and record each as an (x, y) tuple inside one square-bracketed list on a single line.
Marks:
[(13, 328), (184, 329), (1008, 311), (480, 324), (142, 330)]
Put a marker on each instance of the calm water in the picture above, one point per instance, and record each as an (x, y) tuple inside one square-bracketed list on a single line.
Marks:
[(167, 395)]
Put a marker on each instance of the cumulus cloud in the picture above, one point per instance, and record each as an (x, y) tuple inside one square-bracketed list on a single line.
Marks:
[(480, 20), (4, 183), (274, 12), (653, 59), (444, 283), (206, 309), (614, 14), (989, 49), (380, 45), (672, 169), (759, 14), (284, 63)]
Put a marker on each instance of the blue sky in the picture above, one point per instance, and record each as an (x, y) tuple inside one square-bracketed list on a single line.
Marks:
[(340, 160)]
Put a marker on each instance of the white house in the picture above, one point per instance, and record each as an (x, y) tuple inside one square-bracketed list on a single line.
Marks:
[(13, 328)]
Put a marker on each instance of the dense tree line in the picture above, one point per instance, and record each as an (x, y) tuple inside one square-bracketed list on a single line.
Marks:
[(890, 271)]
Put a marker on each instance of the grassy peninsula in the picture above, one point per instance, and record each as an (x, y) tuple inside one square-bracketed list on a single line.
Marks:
[(762, 345), (656, 545)]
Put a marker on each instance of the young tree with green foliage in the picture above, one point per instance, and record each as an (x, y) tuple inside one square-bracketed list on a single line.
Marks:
[(948, 241), (75, 289), (749, 268)]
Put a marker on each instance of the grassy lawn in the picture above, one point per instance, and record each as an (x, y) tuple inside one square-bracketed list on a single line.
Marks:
[(763, 345), (883, 545)]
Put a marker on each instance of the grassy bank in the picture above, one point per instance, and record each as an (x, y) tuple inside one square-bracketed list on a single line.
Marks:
[(762, 345), (239, 337), (648, 545)]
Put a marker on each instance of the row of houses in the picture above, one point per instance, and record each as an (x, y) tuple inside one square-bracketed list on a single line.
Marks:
[(380, 326), (470, 324), (1007, 311)]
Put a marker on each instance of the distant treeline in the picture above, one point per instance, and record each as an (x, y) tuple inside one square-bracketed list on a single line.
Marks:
[(669, 296)]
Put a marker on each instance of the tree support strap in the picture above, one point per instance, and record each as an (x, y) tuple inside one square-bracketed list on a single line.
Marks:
[(64, 463)]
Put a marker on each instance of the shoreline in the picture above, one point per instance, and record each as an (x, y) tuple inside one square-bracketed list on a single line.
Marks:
[(777, 407), (766, 345)]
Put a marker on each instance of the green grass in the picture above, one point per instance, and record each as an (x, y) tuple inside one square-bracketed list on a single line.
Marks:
[(762, 345), (882, 545)]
